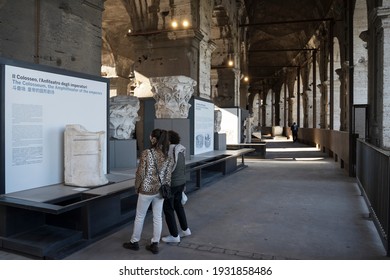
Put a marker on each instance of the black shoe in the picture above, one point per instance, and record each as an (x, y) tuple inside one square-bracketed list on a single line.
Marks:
[(131, 246), (153, 247)]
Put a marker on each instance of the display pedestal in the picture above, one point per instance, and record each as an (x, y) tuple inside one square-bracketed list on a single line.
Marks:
[(277, 131), (219, 141), (123, 153), (181, 126)]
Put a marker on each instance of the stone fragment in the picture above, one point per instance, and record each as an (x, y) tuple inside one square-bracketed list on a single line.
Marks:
[(123, 116), (83, 157)]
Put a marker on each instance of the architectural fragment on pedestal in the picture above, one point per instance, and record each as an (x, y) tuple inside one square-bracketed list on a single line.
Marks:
[(123, 116), (83, 157), (172, 95)]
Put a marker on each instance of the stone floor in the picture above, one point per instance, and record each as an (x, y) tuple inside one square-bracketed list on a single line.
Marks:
[(296, 204)]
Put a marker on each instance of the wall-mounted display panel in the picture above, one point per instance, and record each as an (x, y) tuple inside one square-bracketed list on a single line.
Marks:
[(203, 126), (37, 103), (231, 124)]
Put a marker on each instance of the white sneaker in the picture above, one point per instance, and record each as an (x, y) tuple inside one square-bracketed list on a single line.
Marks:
[(185, 233), (171, 239)]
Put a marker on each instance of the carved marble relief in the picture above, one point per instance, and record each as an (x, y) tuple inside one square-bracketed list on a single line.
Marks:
[(83, 157), (172, 95), (123, 116)]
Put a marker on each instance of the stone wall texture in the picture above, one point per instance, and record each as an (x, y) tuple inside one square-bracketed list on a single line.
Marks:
[(64, 34)]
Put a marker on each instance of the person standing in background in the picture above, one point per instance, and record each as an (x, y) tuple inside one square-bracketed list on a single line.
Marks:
[(294, 130)]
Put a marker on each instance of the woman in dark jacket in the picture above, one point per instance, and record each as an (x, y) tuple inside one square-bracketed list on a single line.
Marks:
[(178, 182)]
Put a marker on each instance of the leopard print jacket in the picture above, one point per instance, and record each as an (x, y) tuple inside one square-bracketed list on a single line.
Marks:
[(146, 180)]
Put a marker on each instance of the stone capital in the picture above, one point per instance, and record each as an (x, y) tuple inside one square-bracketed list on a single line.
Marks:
[(172, 94), (380, 17)]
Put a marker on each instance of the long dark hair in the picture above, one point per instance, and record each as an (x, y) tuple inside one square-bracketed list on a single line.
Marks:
[(162, 142), (174, 137)]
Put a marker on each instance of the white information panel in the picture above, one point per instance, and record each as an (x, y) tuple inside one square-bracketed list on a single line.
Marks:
[(38, 106), (230, 124), (203, 126)]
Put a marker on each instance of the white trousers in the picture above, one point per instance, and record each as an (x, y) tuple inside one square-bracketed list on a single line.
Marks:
[(143, 204)]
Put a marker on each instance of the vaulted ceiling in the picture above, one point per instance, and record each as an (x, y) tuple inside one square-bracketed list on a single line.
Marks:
[(276, 31)]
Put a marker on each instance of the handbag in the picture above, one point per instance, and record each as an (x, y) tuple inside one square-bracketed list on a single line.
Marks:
[(165, 189), (184, 198)]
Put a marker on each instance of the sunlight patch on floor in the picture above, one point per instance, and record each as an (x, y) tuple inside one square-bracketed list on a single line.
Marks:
[(309, 159), (302, 149), (299, 159)]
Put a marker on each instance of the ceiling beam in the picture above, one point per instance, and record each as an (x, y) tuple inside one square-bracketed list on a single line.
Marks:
[(285, 22), (264, 77), (222, 67), (280, 50), (272, 66)]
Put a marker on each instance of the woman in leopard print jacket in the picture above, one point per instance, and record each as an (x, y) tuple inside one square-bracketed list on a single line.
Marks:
[(147, 185)]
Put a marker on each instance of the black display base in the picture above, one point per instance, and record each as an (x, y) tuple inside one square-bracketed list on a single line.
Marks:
[(70, 220), (41, 241)]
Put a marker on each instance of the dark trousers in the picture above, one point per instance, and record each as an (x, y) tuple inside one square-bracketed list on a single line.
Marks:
[(173, 205), (295, 136)]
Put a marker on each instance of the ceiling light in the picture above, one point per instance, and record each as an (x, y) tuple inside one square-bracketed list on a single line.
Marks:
[(230, 60), (185, 23), (174, 24)]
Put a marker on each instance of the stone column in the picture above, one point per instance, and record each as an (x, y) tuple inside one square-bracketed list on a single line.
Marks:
[(305, 106), (263, 109), (337, 94), (244, 95), (324, 123), (291, 105), (226, 88), (379, 77), (269, 108), (205, 79), (343, 74), (318, 102), (172, 95), (237, 75), (164, 56)]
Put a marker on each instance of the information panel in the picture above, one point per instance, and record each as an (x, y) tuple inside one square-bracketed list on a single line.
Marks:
[(203, 126), (38, 105), (230, 125)]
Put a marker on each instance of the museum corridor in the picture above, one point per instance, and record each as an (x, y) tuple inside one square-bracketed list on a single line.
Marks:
[(295, 204), (219, 73)]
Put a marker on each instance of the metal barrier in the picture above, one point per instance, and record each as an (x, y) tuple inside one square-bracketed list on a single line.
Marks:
[(373, 175)]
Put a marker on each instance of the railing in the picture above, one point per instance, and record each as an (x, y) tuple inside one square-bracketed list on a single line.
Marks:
[(373, 175), (334, 143)]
